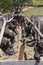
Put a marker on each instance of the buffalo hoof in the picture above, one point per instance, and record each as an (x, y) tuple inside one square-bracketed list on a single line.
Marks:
[(9, 51), (37, 56)]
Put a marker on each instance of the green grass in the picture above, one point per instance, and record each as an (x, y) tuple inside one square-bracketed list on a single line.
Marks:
[(34, 11)]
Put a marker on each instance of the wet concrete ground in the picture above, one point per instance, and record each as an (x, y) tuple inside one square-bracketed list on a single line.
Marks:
[(22, 63)]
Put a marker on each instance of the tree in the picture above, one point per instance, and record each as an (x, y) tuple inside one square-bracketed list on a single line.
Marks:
[(35, 2), (6, 5), (10, 5), (18, 4)]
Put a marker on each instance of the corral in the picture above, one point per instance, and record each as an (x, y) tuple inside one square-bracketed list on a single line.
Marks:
[(22, 50)]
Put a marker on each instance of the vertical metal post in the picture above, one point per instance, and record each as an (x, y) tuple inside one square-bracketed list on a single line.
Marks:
[(22, 48), (19, 31), (2, 31), (38, 28)]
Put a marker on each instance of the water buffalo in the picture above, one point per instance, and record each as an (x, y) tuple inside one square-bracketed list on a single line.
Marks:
[(12, 27), (9, 35), (5, 46), (19, 18), (28, 30), (38, 50)]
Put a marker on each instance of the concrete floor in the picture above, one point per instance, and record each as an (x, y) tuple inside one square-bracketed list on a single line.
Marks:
[(21, 63)]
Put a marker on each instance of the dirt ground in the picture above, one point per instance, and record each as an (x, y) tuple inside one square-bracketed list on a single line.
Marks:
[(29, 52)]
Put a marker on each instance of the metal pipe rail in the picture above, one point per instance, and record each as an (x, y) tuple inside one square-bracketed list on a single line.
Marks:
[(3, 28)]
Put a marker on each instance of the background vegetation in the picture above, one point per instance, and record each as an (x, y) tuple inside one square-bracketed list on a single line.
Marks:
[(12, 5)]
